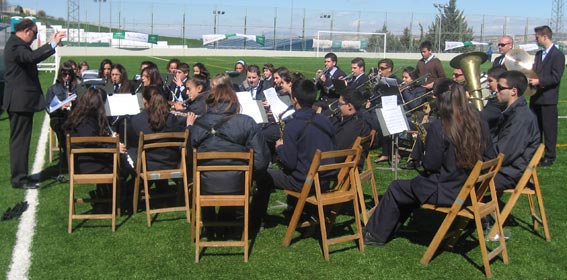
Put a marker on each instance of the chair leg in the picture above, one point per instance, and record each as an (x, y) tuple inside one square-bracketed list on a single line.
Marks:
[(374, 189), (245, 231), (198, 224), (441, 232), (187, 205), (542, 214), (323, 226), (114, 196), (358, 226), (482, 245), (508, 208), (360, 194), (136, 195), (147, 199), (71, 205), (293, 222)]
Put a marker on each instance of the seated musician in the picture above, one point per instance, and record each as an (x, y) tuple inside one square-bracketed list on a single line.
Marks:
[(359, 77), (154, 118), (304, 133), (177, 86), (65, 85), (197, 93), (88, 118), (517, 134), (411, 94), (386, 87), (119, 78), (452, 149), (223, 128), (350, 123), (492, 111), (325, 81)]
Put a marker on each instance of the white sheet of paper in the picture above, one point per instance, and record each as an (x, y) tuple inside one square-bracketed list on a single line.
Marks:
[(123, 104), (56, 103), (276, 104), (395, 119), (389, 101), (249, 106)]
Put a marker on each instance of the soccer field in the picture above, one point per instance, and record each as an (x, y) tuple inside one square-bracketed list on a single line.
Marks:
[(165, 250)]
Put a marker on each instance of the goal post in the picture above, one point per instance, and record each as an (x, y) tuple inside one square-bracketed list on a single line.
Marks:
[(369, 42)]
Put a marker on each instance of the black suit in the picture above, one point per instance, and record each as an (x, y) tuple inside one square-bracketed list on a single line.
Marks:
[(544, 102), (357, 81), (23, 96), (499, 61), (327, 91)]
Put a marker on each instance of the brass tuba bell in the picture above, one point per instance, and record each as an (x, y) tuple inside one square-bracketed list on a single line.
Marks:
[(470, 64)]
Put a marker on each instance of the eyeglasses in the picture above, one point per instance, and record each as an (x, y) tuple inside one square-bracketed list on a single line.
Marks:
[(456, 75), (501, 88), (383, 68), (502, 44)]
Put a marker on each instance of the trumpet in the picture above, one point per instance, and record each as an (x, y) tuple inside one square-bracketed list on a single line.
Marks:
[(425, 95), (320, 73), (348, 78)]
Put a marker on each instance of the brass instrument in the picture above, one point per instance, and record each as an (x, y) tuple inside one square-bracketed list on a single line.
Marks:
[(520, 60), (428, 103), (421, 131), (281, 120), (470, 64), (417, 82)]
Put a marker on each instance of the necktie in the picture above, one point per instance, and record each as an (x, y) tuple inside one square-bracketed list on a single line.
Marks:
[(252, 91), (543, 54), (116, 86), (177, 93)]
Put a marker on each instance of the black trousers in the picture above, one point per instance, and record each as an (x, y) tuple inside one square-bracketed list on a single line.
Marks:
[(547, 122), (21, 126)]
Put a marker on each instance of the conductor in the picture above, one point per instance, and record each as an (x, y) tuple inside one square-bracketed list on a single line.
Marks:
[(23, 95)]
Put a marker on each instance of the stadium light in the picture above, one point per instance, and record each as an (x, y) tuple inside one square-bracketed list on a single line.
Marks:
[(216, 14), (328, 16)]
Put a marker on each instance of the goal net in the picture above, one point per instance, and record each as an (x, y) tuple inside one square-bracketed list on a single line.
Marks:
[(338, 41)]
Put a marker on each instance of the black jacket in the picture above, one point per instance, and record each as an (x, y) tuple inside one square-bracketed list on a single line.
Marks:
[(234, 133), (518, 138), (549, 72), (22, 91)]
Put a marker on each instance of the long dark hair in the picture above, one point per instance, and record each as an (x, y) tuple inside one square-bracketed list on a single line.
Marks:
[(66, 68), (462, 125), (90, 105), (223, 94), (124, 82), (157, 107)]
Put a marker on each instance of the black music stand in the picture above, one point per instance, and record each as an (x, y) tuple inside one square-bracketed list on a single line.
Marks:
[(393, 122)]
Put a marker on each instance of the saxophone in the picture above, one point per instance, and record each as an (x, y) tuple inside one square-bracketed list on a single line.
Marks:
[(421, 131)]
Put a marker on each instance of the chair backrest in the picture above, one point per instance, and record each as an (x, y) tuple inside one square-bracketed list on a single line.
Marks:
[(480, 180), (92, 145), (365, 142), (161, 140), (247, 168), (340, 182), (534, 162)]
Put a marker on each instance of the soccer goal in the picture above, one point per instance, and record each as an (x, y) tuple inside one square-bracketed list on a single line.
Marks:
[(350, 42)]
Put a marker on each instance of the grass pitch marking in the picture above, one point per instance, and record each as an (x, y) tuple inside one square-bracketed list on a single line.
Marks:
[(21, 256)]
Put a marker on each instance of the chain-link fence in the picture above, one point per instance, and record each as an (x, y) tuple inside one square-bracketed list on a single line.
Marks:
[(289, 27)]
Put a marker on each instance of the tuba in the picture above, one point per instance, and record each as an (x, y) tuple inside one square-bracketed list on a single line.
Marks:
[(470, 64)]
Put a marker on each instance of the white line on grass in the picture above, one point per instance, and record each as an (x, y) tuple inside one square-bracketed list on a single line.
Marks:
[(21, 256), (158, 58), (562, 117)]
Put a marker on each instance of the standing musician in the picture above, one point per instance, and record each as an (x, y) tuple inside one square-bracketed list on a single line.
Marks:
[(325, 83), (452, 149), (429, 64), (549, 65), (505, 44), (359, 77)]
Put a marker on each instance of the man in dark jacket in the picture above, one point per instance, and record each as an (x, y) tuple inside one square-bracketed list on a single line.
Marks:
[(23, 95), (518, 133), (306, 132)]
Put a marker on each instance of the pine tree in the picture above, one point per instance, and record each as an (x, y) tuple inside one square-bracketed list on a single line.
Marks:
[(453, 26)]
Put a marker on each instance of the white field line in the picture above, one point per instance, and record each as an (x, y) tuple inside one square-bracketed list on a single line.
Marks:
[(158, 58), (562, 117), (21, 256)]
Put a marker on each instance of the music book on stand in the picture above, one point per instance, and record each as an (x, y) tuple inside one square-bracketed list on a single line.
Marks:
[(122, 104), (251, 107), (392, 120)]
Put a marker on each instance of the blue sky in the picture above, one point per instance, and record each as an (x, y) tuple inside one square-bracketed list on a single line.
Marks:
[(259, 15)]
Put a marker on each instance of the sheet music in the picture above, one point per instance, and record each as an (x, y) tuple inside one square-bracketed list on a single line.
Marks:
[(276, 104), (122, 104), (250, 107), (56, 103), (389, 101), (392, 120)]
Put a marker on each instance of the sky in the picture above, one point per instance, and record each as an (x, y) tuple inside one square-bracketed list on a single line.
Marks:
[(258, 16)]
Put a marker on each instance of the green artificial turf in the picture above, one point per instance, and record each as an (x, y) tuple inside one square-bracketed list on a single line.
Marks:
[(165, 250)]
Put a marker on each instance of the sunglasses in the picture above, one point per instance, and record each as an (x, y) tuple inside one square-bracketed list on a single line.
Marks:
[(383, 68), (503, 44), (457, 75), (501, 88)]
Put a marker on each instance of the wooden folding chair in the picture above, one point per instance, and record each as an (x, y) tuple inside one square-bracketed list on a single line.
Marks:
[(220, 200), (343, 188), (155, 142), (527, 185), (84, 145), (472, 204), (366, 175)]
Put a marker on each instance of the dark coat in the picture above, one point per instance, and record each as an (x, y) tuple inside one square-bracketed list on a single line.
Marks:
[(156, 158), (549, 73), (327, 91), (518, 138), (347, 129), (22, 92), (90, 163), (234, 133)]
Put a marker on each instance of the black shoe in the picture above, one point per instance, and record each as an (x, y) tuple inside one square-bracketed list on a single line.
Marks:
[(546, 162), (410, 165), (27, 185), (369, 239)]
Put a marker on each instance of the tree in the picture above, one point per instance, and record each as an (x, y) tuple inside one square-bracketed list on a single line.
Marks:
[(451, 24), (41, 14), (376, 43)]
